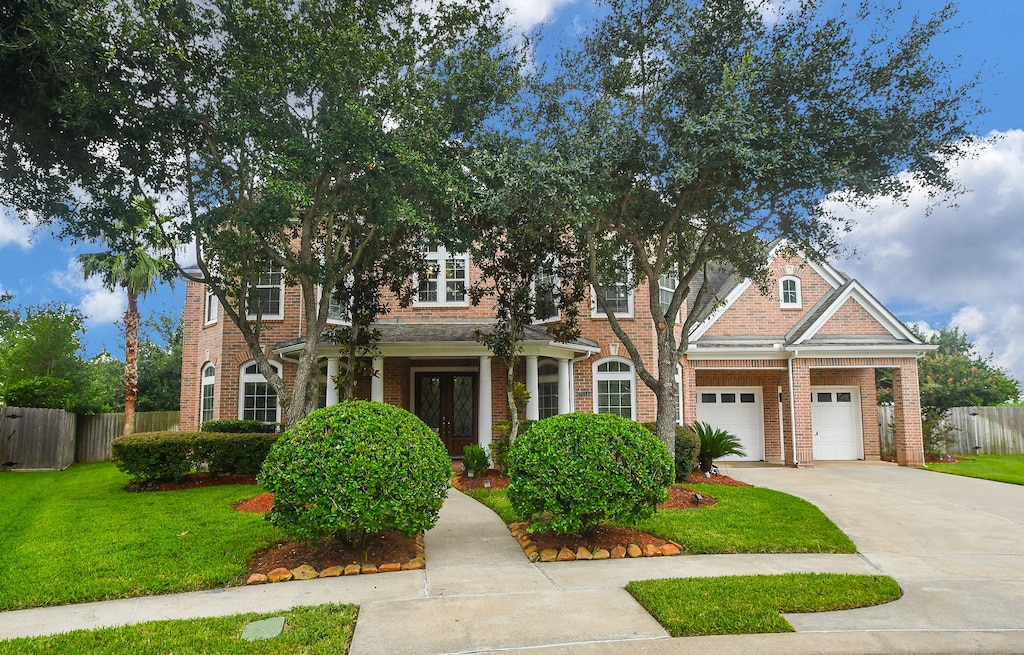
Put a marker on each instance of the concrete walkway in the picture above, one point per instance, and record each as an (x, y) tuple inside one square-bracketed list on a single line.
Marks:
[(480, 594)]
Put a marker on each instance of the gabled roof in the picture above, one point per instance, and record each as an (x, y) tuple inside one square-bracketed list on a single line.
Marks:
[(807, 328), (725, 288)]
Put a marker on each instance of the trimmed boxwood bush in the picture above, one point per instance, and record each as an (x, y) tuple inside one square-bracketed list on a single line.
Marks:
[(354, 469), (151, 456), (570, 472), (687, 449), (237, 425)]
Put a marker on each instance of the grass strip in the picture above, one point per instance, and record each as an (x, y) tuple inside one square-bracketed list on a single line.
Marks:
[(76, 535), (752, 604), (749, 520), (998, 468), (309, 630), (745, 520)]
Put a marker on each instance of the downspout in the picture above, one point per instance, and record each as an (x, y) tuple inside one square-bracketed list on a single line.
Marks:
[(792, 407)]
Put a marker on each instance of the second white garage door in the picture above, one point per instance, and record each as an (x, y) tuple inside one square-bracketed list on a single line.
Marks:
[(835, 418), (740, 410)]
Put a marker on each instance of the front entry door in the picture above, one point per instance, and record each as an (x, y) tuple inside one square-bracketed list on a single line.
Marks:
[(447, 403)]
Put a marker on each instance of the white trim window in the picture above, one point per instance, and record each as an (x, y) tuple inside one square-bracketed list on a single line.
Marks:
[(257, 400), (446, 278), (212, 305), (618, 295), (545, 303), (667, 284), (266, 296), (547, 390), (206, 395), (789, 292), (615, 387)]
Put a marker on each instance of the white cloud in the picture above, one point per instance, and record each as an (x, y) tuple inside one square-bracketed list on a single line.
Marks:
[(99, 305), (529, 13), (965, 262), (14, 231)]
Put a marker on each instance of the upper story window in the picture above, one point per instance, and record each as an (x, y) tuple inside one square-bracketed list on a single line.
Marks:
[(257, 400), (206, 398), (212, 304), (615, 388), (667, 288), (445, 280), (618, 296), (545, 287), (266, 296), (789, 292)]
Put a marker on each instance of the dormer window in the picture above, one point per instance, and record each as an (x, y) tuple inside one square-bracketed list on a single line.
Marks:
[(789, 292)]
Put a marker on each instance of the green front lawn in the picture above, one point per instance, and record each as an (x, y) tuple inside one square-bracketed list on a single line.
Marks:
[(76, 536), (749, 520), (745, 520), (752, 604), (1000, 468), (326, 629)]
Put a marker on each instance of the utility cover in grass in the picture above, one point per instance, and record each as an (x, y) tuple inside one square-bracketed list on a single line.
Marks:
[(265, 629)]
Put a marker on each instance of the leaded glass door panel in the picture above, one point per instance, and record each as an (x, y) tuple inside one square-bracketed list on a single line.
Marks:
[(447, 403)]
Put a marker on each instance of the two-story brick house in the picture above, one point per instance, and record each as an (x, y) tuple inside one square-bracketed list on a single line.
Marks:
[(791, 372)]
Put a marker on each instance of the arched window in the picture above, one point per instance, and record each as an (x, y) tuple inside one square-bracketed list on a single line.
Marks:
[(257, 400), (789, 291), (615, 388), (206, 395)]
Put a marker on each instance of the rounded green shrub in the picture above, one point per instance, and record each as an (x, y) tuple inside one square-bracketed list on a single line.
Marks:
[(569, 473), (474, 458), (687, 449), (354, 469)]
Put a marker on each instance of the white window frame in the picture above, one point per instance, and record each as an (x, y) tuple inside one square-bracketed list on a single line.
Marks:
[(440, 257), (615, 376), (208, 380), (663, 289), (798, 302), (546, 376), (256, 286), (548, 272), (256, 378), (338, 318), (211, 308), (597, 312)]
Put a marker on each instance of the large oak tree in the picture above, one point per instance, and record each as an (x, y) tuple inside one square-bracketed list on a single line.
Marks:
[(708, 128)]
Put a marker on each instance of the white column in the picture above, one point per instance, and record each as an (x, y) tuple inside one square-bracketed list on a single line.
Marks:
[(332, 385), (377, 381), (564, 388), (483, 426), (533, 405)]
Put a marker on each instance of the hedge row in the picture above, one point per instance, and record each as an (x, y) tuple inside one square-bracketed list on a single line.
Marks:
[(237, 426), (152, 456)]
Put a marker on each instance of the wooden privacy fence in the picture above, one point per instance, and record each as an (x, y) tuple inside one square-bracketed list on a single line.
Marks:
[(96, 432), (981, 430), (34, 439)]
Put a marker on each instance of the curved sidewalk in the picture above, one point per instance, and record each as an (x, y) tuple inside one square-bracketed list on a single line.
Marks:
[(480, 594)]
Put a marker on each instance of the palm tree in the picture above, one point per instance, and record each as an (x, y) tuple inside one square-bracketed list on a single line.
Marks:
[(129, 265), (715, 443)]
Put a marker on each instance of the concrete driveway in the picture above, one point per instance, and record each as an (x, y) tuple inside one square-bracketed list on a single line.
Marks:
[(955, 544)]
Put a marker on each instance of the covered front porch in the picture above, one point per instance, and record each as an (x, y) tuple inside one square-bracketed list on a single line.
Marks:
[(442, 373)]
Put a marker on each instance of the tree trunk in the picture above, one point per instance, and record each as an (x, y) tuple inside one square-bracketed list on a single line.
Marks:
[(131, 361), (513, 408), (667, 391)]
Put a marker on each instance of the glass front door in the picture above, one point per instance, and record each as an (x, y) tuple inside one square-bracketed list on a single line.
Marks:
[(447, 403)]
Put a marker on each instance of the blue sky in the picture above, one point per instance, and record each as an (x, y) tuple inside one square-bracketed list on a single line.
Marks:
[(961, 266)]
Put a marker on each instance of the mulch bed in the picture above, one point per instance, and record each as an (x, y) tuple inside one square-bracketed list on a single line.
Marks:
[(383, 548)]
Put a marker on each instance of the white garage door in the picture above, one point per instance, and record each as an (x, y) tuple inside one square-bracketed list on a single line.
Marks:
[(739, 410), (835, 418)]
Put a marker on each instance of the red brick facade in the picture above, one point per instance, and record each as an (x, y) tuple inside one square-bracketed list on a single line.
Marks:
[(831, 339)]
